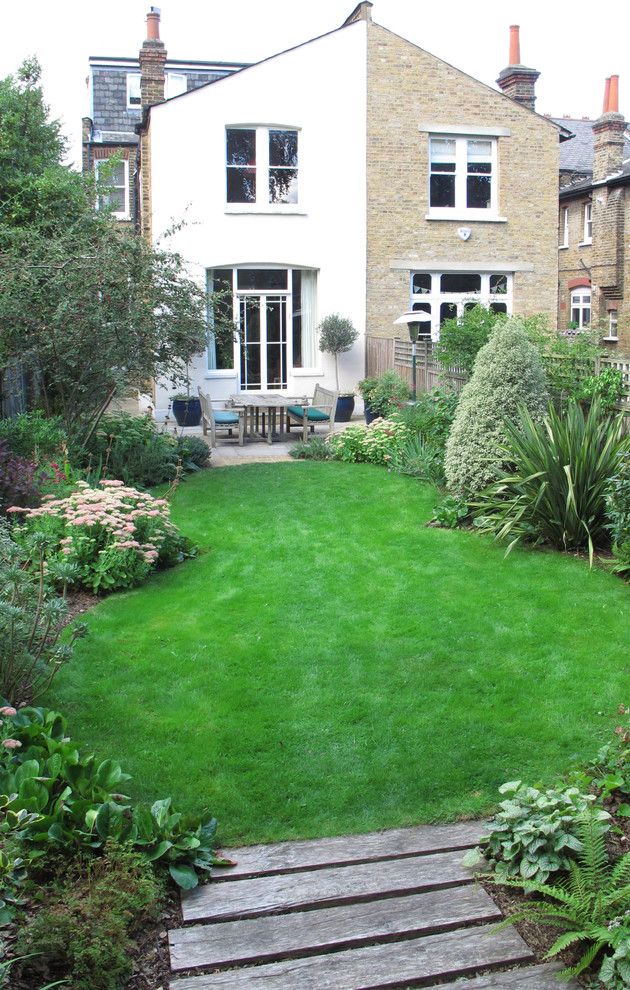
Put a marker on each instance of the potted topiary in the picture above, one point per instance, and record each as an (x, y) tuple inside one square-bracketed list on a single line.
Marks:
[(186, 409), (336, 336), (383, 396)]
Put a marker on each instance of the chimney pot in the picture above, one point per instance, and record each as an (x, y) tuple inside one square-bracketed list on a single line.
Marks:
[(153, 24), (613, 98), (606, 95), (515, 45)]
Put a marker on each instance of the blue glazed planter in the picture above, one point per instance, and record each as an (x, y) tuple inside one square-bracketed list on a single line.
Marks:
[(345, 408), (370, 415), (187, 412)]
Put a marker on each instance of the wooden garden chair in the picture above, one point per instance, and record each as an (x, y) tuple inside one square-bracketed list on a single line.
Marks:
[(220, 419), (321, 411)]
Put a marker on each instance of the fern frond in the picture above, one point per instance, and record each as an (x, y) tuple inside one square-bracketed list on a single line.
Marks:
[(564, 941), (621, 872), (581, 964)]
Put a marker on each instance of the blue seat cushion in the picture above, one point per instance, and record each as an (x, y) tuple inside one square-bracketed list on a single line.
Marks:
[(226, 418), (315, 415)]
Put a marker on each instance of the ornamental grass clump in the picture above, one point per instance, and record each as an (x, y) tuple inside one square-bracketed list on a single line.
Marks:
[(113, 535), (507, 374), (377, 443)]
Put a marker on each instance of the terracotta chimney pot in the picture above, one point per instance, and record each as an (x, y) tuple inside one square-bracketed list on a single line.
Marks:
[(515, 45), (606, 95), (613, 99), (153, 24)]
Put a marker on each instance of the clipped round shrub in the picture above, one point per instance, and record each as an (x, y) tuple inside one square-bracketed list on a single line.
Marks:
[(507, 374)]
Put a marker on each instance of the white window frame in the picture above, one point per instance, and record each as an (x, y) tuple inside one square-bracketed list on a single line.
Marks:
[(565, 228), (237, 294), (580, 305), (130, 105), (119, 214), (436, 297), (613, 325), (460, 211), (262, 204), (588, 224), (181, 85)]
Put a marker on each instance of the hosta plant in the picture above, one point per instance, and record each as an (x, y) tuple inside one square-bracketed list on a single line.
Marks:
[(555, 489), (590, 907), (535, 833)]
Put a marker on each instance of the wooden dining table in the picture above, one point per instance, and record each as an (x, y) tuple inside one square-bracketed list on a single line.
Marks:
[(271, 406)]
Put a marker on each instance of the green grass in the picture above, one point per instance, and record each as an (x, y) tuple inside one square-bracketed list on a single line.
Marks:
[(328, 664)]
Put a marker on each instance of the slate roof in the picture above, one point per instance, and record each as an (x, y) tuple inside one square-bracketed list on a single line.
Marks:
[(576, 155)]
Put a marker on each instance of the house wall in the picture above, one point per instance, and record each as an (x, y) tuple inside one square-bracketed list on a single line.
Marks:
[(406, 87), (319, 88)]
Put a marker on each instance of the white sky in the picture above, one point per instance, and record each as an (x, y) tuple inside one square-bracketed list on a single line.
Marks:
[(574, 46)]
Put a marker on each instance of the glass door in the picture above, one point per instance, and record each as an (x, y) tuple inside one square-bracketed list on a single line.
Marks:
[(263, 341)]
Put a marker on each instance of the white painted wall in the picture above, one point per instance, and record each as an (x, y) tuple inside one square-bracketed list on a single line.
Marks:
[(319, 88)]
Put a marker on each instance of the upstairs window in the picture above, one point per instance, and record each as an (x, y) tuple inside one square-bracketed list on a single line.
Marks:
[(261, 165), (588, 223), (176, 84), (114, 192), (462, 176), (134, 97)]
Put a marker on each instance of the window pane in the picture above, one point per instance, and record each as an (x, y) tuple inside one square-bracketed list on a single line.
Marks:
[(283, 148), (241, 185), (498, 307), (448, 311), (479, 151), (296, 286), (241, 147), (478, 192), (117, 177), (421, 282), (498, 284), (442, 150), (283, 185), (460, 282), (586, 317), (442, 190), (261, 278), (221, 348), (113, 199), (133, 90)]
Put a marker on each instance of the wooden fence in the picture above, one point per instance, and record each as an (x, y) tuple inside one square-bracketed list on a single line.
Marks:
[(387, 353)]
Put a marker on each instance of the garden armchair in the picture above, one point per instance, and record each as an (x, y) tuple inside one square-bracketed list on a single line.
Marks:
[(220, 419), (321, 411)]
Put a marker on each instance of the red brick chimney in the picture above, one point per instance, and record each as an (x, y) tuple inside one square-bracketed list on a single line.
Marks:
[(517, 81), (152, 62), (608, 131)]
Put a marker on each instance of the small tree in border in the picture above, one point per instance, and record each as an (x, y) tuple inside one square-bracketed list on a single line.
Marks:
[(336, 336)]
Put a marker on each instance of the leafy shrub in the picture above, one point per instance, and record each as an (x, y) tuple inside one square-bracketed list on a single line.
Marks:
[(131, 448), (507, 373), (13, 871), (33, 435), (313, 450), (386, 394), (418, 458), (31, 617), (591, 906), (86, 934), (112, 535), (609, 772), (336, 336), (461, 339), (618, 514), (567, 360), (450, 512), (535, 833), (193, 452), (607, 387), (555, 490), (18, 479), (377, 443), (78, 803), (431, 415)]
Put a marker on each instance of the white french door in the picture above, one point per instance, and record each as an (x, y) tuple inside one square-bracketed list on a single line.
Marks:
[(262, 346)]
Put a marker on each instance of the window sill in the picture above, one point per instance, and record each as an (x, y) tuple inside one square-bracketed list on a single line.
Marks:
[(220, 373), (307, 372), (585, 243), (465, 217), (611, 340), (563, 247), (253, 209)]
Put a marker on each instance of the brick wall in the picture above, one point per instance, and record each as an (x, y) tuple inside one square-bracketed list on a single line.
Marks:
[(408, 86)]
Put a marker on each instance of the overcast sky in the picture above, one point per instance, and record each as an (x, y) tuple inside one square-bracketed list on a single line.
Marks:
[(574, 46)]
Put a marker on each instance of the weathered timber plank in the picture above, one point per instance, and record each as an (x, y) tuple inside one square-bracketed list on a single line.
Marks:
[(458, 953), (529, 978), (280, 936), (325, 888), (283, 857)]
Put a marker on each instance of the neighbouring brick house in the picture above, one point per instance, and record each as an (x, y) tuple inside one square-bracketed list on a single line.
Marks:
[(116, 100), (594, 225), (355, 173)]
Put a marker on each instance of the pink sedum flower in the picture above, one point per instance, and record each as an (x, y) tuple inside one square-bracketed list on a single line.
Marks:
[(8, 710), (11, 743)]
